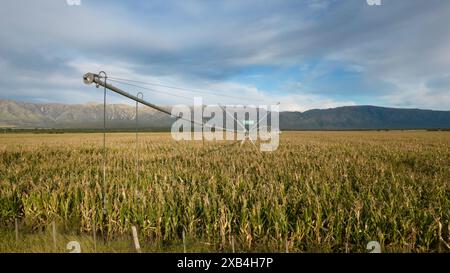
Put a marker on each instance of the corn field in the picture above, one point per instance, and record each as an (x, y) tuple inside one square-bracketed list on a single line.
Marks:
[(318, 192)]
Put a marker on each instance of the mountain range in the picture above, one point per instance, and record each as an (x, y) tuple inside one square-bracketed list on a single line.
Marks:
[(15, 114)]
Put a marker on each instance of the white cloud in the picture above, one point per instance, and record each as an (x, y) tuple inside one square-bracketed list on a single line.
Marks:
[(418, 96), (47, 46)]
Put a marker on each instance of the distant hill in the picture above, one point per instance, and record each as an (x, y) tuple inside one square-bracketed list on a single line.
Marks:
[(88, 116), (365, 117)]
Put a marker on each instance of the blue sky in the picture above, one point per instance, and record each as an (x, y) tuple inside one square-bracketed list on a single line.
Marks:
[(303, 54)]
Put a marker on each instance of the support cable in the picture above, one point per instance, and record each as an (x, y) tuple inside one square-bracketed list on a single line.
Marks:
[(90, 78), (151, 89), (190, 90)]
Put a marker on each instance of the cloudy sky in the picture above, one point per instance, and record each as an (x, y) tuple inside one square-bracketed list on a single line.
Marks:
[(303, 54)]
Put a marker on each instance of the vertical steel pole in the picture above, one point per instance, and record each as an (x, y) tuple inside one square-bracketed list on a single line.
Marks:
[(141, 96), (104, 154)]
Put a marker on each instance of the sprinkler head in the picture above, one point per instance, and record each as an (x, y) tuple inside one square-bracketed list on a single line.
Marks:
[(88, 78)]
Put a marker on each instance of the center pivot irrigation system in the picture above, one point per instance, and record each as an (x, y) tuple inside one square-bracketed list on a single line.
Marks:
[(101, 78)]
